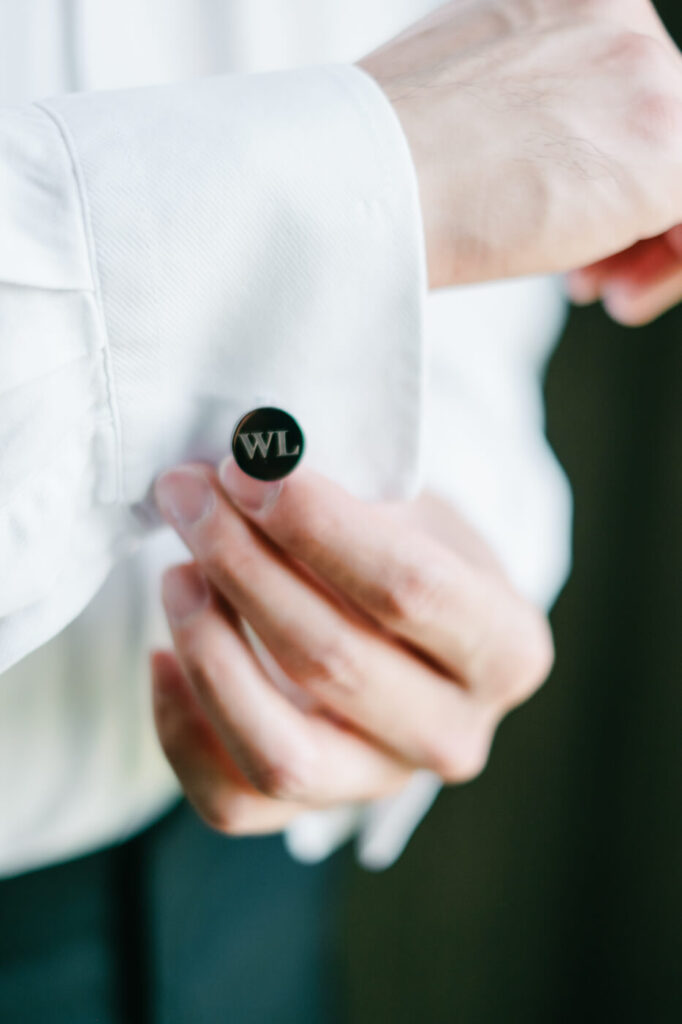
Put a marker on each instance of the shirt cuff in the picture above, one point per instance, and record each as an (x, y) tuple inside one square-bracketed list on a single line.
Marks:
[(382, 827), (256, 238), (190, 252)]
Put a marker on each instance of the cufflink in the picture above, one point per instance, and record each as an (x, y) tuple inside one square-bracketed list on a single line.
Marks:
[(267, 443)]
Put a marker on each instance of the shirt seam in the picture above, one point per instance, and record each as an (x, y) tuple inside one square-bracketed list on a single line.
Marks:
[(105, 348), (354, 86)]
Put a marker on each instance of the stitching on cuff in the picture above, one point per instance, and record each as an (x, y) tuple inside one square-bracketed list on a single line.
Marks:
[(105, 348), (416, 360)]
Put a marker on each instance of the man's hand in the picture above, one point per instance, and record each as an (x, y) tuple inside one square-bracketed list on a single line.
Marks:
[(403, 640), (635, 286), (546, 135)]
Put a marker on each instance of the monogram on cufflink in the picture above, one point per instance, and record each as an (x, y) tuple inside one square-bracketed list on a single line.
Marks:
[(267, 443)]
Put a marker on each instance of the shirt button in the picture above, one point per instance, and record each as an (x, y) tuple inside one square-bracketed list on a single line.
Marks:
[(267, 443)]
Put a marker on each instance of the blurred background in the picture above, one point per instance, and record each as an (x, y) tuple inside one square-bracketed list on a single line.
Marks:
[(550, 889)]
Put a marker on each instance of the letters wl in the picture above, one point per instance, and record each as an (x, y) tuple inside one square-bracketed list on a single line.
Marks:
[(261, 443)]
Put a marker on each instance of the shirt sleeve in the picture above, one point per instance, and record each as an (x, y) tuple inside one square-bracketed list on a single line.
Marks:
[(170, 257), (484, 444)]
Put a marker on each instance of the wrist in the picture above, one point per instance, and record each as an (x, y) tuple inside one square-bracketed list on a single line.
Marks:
[(399, 96)]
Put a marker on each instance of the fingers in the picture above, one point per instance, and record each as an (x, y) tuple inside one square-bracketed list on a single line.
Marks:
[(634, 305), (284, 753), (459, 615), (351, 667), (386, 693), (635, 286), (213, 784), (587, 284)]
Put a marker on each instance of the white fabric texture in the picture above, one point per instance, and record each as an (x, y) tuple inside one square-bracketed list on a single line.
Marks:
[(170, 257), (176, 213)]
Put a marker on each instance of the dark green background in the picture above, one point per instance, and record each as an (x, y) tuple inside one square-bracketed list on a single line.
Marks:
[(551, 888)]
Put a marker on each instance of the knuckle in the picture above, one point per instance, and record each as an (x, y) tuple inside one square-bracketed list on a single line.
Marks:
[(230, 817), (539, 652), (636, 52), (527, 660), (288, 778), (456, 760), (514, 654), (657, 117), (407, 597), (334, 665), (589, 9), (228, 562)]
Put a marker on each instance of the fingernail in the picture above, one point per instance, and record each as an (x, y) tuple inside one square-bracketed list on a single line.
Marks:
[(184, 495), (249, 494), (184, 592)]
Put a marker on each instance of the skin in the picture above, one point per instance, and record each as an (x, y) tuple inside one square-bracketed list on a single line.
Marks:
[(547, 136), (405, 643)]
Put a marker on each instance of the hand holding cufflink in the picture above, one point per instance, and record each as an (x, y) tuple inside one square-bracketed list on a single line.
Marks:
[(394, 619)]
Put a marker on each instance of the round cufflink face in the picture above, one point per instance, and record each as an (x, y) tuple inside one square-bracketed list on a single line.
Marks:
[(267, 443)]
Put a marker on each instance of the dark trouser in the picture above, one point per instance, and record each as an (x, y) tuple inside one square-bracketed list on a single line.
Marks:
[(177, 926)]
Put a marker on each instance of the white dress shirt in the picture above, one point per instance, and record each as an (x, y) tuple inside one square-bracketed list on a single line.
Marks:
[(210, 225)]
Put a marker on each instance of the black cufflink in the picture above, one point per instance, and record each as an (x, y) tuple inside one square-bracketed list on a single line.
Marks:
[(267, 443)]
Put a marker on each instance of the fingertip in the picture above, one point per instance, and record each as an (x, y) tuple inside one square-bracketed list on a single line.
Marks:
[(622, 306), (582, 287), (252, 496)]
